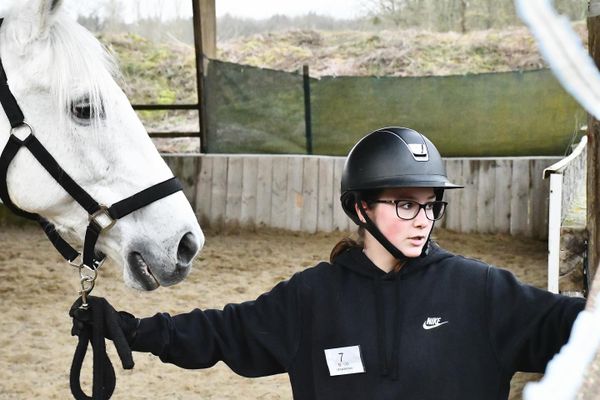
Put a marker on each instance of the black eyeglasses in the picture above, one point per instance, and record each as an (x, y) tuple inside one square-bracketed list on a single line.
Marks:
[(409, 209)]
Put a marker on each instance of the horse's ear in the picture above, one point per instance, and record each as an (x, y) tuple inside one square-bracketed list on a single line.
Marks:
[(32, 19), (55, 5), (46, 8)]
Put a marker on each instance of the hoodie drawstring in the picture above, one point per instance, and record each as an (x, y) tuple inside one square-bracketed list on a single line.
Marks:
[(389, 366), (396, 333), (381, 338)]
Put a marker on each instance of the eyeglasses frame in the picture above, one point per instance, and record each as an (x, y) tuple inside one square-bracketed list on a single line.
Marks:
[(421, 207)]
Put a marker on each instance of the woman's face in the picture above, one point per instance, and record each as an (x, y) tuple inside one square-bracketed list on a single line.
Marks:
[(408, 236)]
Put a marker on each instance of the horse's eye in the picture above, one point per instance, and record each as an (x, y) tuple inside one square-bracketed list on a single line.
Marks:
[(83, 112)]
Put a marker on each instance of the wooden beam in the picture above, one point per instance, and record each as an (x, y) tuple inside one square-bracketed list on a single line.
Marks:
[(593, 158), (159, 107), (209, 27), (205, 42), (590, 385)]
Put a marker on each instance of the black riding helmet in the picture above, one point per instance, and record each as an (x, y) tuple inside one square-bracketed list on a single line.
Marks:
[(390, 157)]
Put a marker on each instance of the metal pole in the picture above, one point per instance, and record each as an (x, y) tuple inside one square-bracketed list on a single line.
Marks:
[(307, 113), (554, 220)]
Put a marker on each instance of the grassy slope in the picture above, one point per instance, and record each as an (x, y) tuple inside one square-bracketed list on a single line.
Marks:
[(165, 72), (159, 73), (390, 53)]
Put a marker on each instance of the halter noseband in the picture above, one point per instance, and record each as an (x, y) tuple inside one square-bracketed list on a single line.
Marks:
[(101, 217)]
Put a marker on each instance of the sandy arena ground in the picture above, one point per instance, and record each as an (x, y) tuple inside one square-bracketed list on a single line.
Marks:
[(37, 289)]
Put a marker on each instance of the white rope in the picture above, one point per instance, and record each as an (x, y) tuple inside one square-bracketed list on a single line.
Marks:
[(566, 371), (577, 72), (564, 52)]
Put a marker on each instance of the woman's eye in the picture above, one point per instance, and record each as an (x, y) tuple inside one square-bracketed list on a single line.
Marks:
[(407, 205)]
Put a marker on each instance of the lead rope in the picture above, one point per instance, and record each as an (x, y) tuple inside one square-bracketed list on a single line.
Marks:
[(93, 319), (103, 374)]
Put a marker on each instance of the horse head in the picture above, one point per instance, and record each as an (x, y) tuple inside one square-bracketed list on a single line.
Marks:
[(65, 84)]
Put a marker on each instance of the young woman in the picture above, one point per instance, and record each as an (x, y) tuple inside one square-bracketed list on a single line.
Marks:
[(392, 315)]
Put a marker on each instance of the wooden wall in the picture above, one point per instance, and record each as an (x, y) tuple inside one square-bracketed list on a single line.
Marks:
[(504, 195), (301, 193)]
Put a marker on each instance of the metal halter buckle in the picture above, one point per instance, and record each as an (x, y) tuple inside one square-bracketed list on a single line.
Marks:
[(102, 218)]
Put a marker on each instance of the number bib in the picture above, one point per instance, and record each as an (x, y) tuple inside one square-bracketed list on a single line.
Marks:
[(344, 361)]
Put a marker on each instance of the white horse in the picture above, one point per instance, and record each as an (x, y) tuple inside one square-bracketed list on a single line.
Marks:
[(63, 81)]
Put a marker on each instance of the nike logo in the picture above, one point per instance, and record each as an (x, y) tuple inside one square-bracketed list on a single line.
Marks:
[(433, 322)]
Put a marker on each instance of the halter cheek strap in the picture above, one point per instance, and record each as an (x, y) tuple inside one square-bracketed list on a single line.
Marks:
[(15, 116)]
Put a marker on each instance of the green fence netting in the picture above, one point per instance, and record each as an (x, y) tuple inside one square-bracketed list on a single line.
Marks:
[(253, 110)]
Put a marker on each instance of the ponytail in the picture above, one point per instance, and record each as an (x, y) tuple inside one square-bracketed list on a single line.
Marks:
[(348, 243)]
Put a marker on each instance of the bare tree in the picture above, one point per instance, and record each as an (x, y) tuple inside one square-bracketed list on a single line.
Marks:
[(390, 9), (112, 14), (396, 11), (463, 15), (160, 8), (137, 9), (458, 15), (178, 5)]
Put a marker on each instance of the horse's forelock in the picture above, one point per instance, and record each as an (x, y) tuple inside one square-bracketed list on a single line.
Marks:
[(82, 67), (64, 57)]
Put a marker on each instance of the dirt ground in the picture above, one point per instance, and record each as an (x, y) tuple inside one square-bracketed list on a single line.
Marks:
[(37, 289)]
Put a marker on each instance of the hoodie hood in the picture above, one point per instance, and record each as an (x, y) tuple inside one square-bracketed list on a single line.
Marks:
[(355, 260), (386, 290)]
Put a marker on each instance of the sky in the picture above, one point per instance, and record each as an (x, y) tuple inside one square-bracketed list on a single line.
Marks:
[(258, 9)]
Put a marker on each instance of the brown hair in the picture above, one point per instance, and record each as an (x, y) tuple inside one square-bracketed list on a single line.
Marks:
[(348, 243), (359, 243)]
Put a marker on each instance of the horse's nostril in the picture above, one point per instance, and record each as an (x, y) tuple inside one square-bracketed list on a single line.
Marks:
[(187, 249)]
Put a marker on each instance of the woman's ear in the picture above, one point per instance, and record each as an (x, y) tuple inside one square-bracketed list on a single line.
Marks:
[(365, 206)]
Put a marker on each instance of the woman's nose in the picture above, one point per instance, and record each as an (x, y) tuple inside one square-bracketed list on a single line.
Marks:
[(421, 218)]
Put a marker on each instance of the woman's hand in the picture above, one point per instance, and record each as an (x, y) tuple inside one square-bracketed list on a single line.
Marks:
[(116, 324)]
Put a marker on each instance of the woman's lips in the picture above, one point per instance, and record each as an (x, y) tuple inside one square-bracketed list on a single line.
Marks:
[(416, 240)]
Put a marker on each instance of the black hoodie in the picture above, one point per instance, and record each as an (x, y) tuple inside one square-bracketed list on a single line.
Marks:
[(444, 327)]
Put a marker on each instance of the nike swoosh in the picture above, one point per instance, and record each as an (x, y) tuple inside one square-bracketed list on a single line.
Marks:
[(425, 326)]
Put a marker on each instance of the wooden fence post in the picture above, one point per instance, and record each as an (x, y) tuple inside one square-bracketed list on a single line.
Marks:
[(593, 151), (205, 41)]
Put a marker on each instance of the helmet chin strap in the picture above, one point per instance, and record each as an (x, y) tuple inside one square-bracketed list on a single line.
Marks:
[(380, 237)]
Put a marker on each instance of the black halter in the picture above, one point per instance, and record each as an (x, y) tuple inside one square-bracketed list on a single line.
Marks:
[(101, 217)]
